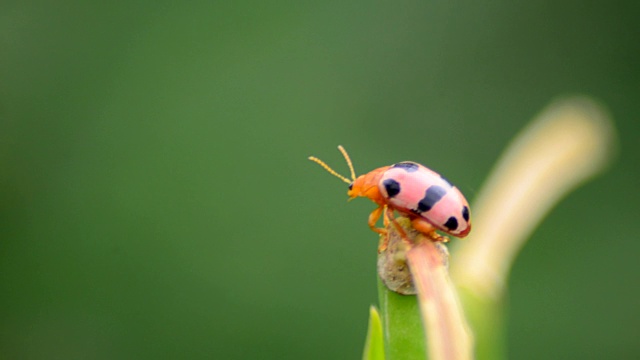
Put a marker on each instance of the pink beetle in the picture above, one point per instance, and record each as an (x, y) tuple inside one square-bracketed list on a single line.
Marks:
[(415, 191)]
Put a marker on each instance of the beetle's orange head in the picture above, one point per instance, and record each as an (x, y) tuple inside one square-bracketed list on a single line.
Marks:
[(355, 188)]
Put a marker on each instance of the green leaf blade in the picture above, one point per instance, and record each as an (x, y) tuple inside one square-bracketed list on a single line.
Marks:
[(374, 345)]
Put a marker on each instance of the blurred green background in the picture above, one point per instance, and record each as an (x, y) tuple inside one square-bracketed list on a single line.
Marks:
[(156, 201)]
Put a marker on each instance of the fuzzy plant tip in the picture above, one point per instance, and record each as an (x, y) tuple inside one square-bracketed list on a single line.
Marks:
[(392, 265)]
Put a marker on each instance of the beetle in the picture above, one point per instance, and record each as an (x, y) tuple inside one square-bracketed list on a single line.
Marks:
[(429, 200)]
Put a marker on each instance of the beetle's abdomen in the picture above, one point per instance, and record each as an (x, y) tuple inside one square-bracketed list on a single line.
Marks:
[(416, 190)]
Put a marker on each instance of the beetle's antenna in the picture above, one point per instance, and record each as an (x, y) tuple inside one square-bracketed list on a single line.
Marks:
[(333, 172), (346, 157), (330, 170)]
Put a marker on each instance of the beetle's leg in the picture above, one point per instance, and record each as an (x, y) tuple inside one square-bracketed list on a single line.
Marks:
[(390, 217), (373, 219), (427, 229), (384, 241)]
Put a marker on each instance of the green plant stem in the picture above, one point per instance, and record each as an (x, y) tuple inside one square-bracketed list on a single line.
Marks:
[(401, 324)]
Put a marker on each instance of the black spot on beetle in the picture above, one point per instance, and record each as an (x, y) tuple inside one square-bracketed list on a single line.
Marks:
[(392, 187), (431, 197), (465, 213), (407, 166), (351, 186), (452, 223)]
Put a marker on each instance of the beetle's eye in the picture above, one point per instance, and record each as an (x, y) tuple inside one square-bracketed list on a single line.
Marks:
[(350, 186)]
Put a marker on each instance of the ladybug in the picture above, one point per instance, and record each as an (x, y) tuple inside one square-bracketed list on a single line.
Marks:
[(430, 201)]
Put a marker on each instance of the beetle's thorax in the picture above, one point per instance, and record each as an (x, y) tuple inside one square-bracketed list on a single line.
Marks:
[(367, 186)]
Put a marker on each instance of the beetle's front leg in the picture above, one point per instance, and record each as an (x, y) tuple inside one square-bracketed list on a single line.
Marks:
[(373, 220)]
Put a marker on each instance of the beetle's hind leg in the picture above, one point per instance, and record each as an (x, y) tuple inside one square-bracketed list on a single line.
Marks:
[(428, 230)]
